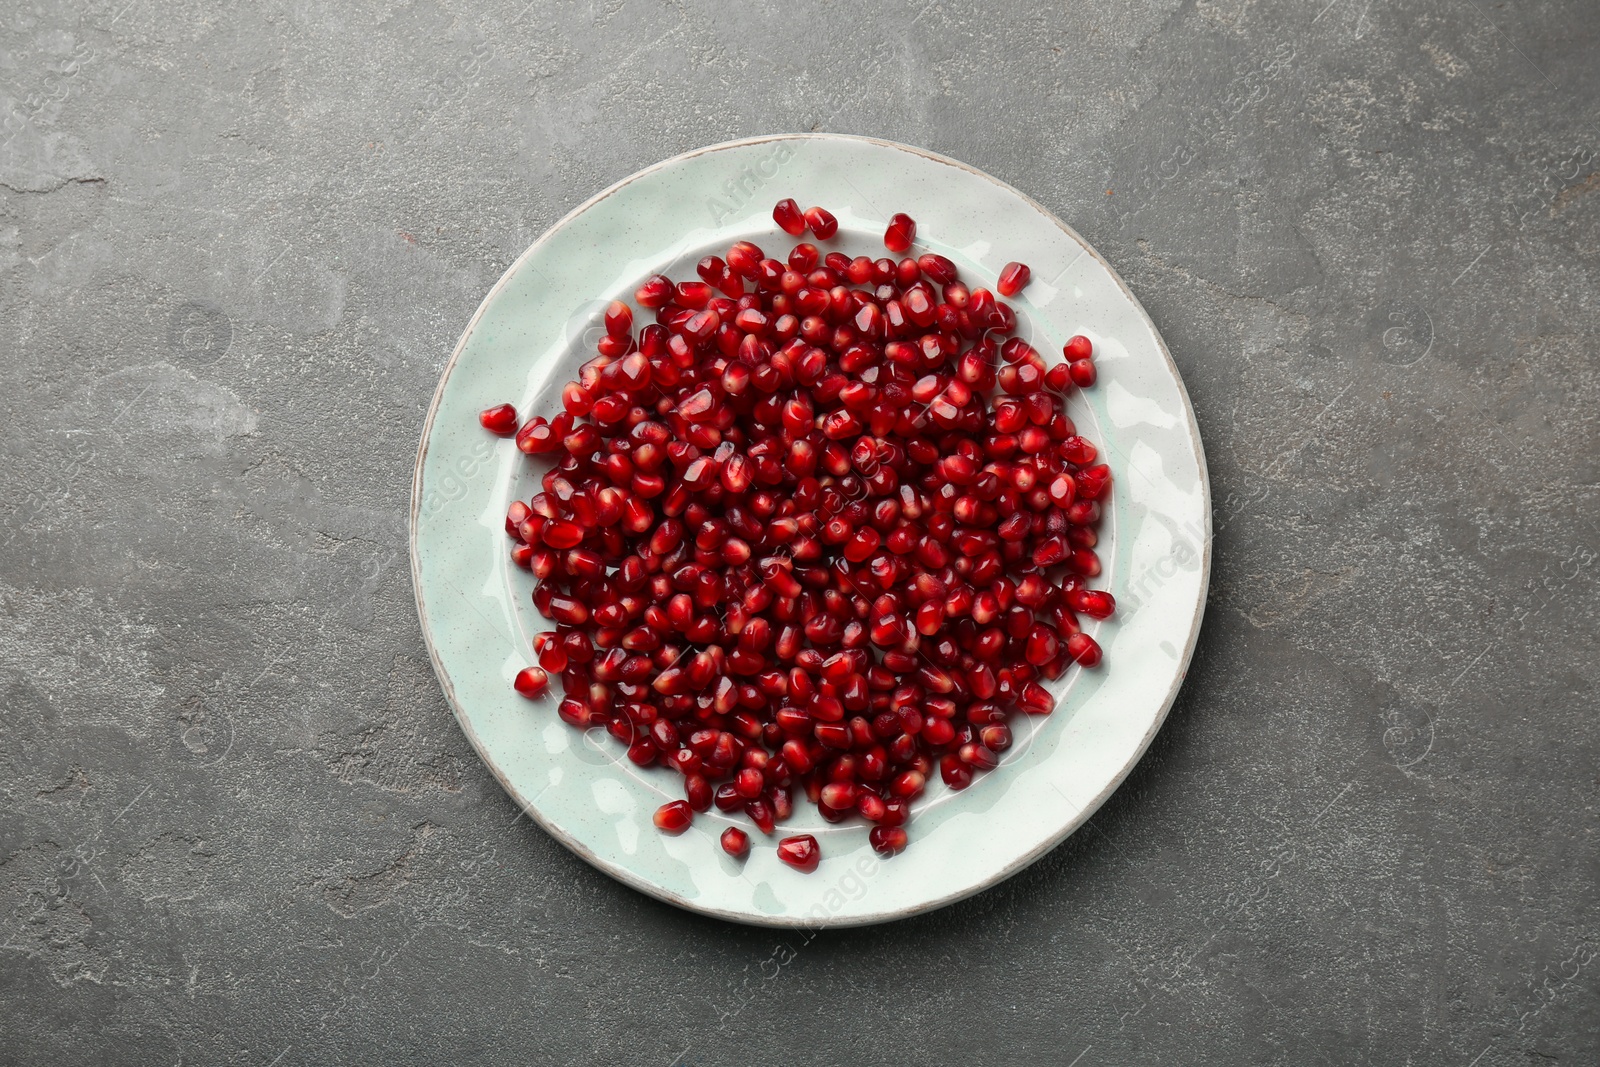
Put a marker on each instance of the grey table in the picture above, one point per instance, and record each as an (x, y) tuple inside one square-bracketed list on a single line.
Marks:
[(239, 824)]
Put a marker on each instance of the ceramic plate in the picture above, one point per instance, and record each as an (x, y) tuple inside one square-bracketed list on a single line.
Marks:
[(539, 323)]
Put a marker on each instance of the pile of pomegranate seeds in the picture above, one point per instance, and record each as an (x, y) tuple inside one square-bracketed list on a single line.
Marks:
[(819, 528)]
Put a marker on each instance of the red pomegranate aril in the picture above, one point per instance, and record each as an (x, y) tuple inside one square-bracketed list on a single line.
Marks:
[(500, 420), (1091, 602), (1084, 649), (1036, 699), (1085, 562), (937, 268), (713, 270), (693, 295), (803, 258), (786, 213), (727, 798), (655, 292), (735, 842), (821, 222), (1042, 646), (887, 840), (956, 774), (674, 817), (567, 611), (577, 400), (1082, 373), (978, 757), (574, 713), (538, 436), (619, 319), (839, 795), (800, 852), (749, 783), (531, 682), (745, 259), (908, 784), (761, 813), (871, 807), (1014, 278), (1084, 512), (558, 533), (901, 232)]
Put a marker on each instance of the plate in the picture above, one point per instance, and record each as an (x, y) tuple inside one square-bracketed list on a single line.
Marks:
[(539, 323)]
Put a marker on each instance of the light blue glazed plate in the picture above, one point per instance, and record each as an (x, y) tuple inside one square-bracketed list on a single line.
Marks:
[(539, 323)]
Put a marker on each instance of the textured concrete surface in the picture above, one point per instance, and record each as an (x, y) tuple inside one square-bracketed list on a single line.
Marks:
[(237, 821)]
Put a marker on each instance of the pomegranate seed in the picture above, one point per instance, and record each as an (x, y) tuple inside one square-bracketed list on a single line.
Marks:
[(956, 775), (901, 232), (1082, 647), (788, 217), (531, 682), (1091, 602), (655, 292), (696, 787), (762, 815), (938, 268), (619, 319), (674, 817), (500, 420), (887, 839), (1082, 373), (1077, 347), (538, 436), (822, 223), (800, 852), (1014, 278), (1036, 699), (735, 842)]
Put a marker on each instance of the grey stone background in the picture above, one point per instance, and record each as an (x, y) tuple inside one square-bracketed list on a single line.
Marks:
[(239, 824)]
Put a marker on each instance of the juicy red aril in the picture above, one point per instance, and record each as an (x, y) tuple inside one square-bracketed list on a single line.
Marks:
[(887, 839), (1014, 278), (938, 268), (655, 291), (619, 319), (798, 547), (674, 817), (1082, 373), (500, 420), (539, 436), (800, 852), (901, 232), (531, 682), (956, 774), (1077, 347), (735, 842), (1091, 602), (762, 815), (822, 222), (1036, 699), (786, 213), (1084, 649)]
